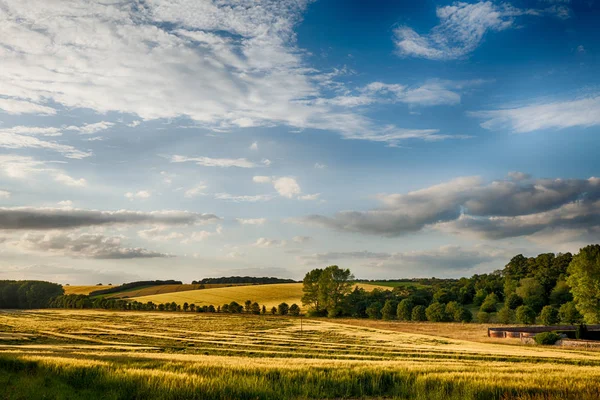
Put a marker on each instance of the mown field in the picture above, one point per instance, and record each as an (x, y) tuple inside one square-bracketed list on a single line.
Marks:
[(87, 354), (268, 295), (146, 290), (85, 289)]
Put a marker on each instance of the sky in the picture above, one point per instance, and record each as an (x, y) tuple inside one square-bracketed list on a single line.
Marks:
[(183, 139)]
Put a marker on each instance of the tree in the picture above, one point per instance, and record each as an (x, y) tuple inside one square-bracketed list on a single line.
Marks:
[(404, 310), (334, 284), (489, 304), (388, 311), (294, 310), (255, 308), (568, 314), (374, 310), (273, 310), (525, 315), (310, 288), (444, 296), (264, 310), (458, 313), (549, 316), (418, 313), (235, 307), (248, 306), (532, 293), (436, 312), (211, 308), (561, 294), (283, 308), (192, 307), (186, 306), (479, 297), (584, 279), (506, 315), (513, 301)]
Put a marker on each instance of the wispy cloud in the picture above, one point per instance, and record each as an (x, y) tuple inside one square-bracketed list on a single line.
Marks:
[(215, 162)]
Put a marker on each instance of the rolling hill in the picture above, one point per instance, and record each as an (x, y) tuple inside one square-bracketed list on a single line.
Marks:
[(268, 295), (84, 289)]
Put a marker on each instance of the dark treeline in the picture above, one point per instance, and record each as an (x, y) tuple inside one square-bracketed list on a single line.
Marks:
[(80, 301), (244, 279), (547, 289), (133, 285), (28, 294)]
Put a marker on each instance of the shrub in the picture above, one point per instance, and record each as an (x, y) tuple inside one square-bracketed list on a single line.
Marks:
[(506, 315), (436, 312), (547, 338), (549, 316), (479, 297), (283, 309), (489, 304), (458, 313), (418, 313), (525, 315), (483, 317), (404, 310), (374, 310)]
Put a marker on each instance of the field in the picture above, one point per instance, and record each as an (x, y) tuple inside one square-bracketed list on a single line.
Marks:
[(268, 295), (88, 354), (145, 290), (84, 289)]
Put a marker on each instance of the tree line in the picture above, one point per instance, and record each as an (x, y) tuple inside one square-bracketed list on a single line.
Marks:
[(133, 285), (547, 289), (80, 301), (28, 294), (244, 279)]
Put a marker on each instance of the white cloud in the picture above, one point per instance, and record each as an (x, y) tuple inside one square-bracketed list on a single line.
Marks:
[(215, 162), (26, 168), (22, 137), (14, 106), (254, 146), (301, 239), (142, 194), (265, 243), (89, 129), (243, 198), (4, 194), (195, 191), (159, 233), (261, 179), (200, 236), (582, 112), (252, 221), (69, 181), (135, 123), (224, 65), (320, 166), (287, 186), (310, 197), (461, 30), (65, 203)]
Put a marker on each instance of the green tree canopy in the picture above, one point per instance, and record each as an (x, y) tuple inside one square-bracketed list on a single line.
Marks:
[(584, 279)]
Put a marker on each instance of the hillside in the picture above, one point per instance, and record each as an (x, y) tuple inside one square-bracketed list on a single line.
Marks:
[(84, 289), (165, 289), (268, 295)]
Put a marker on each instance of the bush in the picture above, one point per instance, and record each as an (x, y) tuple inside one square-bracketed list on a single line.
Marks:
[(506, 315), (436, 312), (458, 313), (479, 297), (374, 310), (547, 338), (389, 310), (283, 309), (418, 313), (489, 304), (549, 316), (294, 310), (525, 315), (404, 310), (483, 317)]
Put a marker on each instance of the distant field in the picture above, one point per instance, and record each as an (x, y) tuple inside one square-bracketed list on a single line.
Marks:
[(162, 289), (84, 289), (267, 295), (91, 354)]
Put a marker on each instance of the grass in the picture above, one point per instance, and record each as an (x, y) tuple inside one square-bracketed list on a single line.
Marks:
[(268, 295), (84, 289), (92, 354)]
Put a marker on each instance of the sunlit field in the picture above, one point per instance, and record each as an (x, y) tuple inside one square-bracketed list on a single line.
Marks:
[(267, 295), (113, 355)]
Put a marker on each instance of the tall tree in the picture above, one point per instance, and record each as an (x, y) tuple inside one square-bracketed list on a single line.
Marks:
[(310, 287), (334, 284), (584, 279)]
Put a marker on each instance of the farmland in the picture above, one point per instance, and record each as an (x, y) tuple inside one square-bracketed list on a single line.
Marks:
[(268, 295), (92, 354)]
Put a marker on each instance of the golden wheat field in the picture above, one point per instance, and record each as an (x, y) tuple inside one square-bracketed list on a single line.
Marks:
[(85, 289), (268, 295), (225, 356)]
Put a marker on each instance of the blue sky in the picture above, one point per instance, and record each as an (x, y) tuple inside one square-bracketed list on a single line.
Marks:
[(184, 139)]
